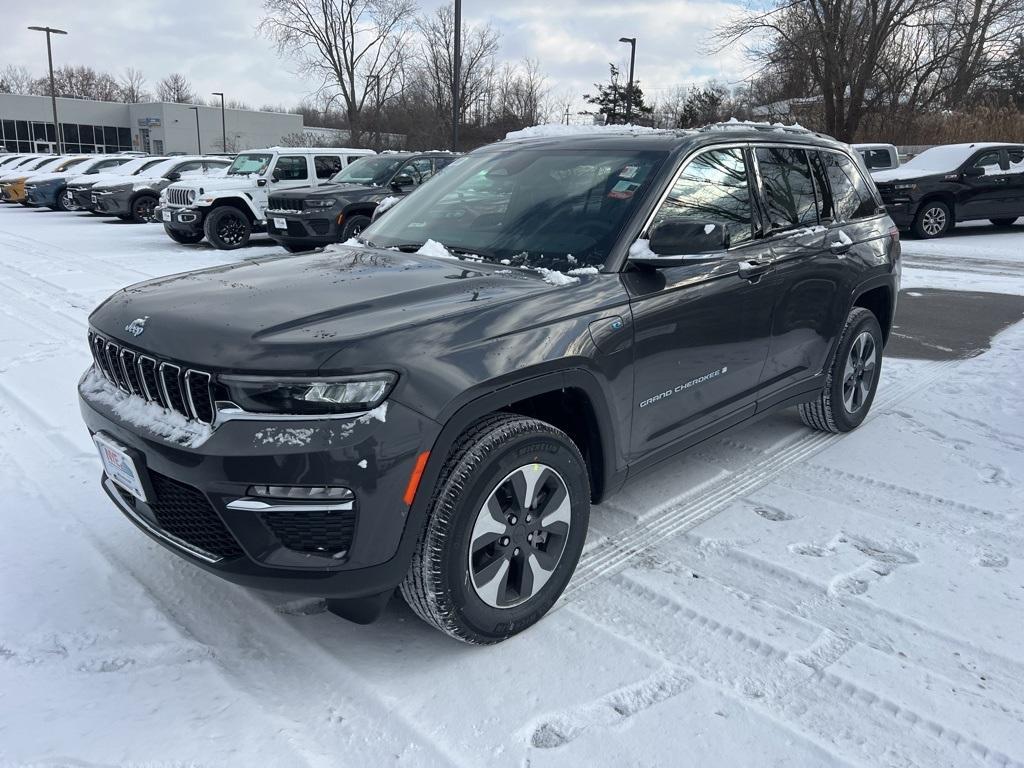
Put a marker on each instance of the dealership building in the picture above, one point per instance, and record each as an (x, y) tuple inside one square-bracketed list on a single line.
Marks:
[(26, 125)]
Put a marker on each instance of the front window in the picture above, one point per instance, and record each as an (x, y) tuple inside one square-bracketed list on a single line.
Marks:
[(556, 209), (988, 163), (250, 163), (144, 166), (372, 171)]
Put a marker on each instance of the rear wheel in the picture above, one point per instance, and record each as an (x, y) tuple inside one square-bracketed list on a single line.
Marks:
[(185, 238), (852, 378), (932, 220), (227, 228), (143, 207), (354, 227), (1004, 222), (504, 532)]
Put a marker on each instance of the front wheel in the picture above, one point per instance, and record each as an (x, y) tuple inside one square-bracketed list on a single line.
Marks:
[(60, 203), (227, 228), (185, 238), (354, 227), (143, 207), (505, 528), (852, 378), (932, 220), (1007, 222)]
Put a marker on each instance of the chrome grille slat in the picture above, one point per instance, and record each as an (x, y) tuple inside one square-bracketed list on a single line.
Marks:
[(177, 196), (188, 392)]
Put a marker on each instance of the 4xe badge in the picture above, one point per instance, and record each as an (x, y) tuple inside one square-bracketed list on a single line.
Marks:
[(137, 326)]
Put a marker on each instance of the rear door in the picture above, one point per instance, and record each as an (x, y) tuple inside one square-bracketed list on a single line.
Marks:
[(1015, 181), (701, 330)]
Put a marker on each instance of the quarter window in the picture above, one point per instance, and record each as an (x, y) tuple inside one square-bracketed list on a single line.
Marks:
[(788, 187), (291, 168), (713, 187), (852, 197)]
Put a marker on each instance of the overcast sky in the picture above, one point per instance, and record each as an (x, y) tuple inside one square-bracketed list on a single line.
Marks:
[(216, 46)]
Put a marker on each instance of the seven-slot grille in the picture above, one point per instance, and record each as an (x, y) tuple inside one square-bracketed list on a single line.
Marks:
[(186, 391), (284, 204), (178, 196)]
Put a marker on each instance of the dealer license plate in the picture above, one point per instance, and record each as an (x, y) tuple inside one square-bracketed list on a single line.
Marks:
[(167, 215), (280, 223), (119, 466)]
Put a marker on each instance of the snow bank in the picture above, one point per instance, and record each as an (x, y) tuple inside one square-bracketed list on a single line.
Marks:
[(170, 425)]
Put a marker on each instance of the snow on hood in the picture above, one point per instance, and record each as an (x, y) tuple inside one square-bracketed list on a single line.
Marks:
[(36, 178), (904, 174), (220, 182)]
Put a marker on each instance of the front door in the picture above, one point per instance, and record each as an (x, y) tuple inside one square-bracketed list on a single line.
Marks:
[(289, 172), (701, 331), (984, 196)]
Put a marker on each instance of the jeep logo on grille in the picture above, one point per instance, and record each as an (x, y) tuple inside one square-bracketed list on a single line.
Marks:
[(137, 326)]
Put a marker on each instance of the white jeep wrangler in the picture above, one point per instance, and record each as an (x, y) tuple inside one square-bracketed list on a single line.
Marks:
[(228, 209)]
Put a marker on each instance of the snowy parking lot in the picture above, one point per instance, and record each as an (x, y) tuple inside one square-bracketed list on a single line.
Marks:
[(775, 597)]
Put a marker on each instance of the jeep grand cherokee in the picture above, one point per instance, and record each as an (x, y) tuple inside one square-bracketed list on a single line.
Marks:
[(436, 410)]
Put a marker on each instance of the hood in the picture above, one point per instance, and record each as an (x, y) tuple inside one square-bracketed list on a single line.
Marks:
[(292, 313), (347, 191), (209, 183), (906, 174)]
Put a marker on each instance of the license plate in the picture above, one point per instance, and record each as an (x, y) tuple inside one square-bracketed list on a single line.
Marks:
[(280, 223), (93, 198), (167, 215), (119, 466)]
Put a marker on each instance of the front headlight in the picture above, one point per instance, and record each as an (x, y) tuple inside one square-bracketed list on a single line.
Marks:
[(905, 187), (191, 196), (326, 202), (315, 396)]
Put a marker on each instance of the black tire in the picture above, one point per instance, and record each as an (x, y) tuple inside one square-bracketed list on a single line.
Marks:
[(354, 226), (933, 219), (1007, 222), (227, 228), (185, 238), (142, 208), (831, 411), (60, 204), (440, 584)]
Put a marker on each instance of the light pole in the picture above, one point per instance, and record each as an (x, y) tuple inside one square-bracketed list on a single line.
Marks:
[(629, 83), (223, 123), (53, 90), (199, 141), (456, 74)]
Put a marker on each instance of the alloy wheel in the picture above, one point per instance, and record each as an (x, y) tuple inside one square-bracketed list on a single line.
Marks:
[(144, 209), (934, 221), (519, 536), (859, 373), (231, 231)]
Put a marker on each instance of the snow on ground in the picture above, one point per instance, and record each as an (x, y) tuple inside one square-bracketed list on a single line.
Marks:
[(776, 597)]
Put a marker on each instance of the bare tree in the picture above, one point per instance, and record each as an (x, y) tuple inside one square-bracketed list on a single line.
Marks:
[(355, 47), (133, 86), (15, 79), (175, 89)]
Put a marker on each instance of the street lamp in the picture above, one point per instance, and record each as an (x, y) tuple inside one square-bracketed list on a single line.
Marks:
[(629, 84), (456, 74), (53, 90), (199, 141), (223, 123)]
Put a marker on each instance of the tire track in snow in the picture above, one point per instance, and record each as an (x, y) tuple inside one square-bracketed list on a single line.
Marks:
[(681, 514)]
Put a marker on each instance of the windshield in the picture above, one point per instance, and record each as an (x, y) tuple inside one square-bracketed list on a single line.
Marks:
[(557, 209), (69, 163), (250, 162), (375, 171), (135, 166), (942, 159)]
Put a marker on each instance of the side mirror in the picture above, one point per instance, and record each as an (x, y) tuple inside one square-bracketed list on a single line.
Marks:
[(402, 180), (261, 182), (675, 243), (973, 172), (173, 176)]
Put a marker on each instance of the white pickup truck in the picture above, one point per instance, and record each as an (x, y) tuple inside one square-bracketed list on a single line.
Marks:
[(227, 210)]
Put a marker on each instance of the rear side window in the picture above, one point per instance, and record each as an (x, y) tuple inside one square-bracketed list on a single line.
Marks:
[(852, 197), (787, 186), (713, 187), (326, 166), (291, 168), (1016, 160), (876, 158), (353, 158)]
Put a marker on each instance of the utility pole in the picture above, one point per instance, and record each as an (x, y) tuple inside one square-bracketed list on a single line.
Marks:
[(53, 89), (223, 123), (457, 74), (199, 140), (629, 83), (566, 114)]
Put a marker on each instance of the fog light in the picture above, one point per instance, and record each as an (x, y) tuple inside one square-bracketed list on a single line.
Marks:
[(301, 493)]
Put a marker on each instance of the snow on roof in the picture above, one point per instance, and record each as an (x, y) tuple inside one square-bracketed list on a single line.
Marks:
[(555, 130), (946, 157), (732, 124)]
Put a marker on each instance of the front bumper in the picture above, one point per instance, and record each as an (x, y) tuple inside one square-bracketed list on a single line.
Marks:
[(79, 197), (270, 548), (308, 229), (43, 196), (13, 192), (902, 213), (112, 203), (188, 220)]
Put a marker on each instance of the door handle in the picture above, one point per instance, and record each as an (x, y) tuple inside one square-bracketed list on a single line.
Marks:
[(752, 270)]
